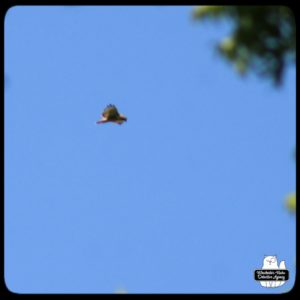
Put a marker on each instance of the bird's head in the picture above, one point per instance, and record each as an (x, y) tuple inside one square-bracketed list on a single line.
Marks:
[(122, 117)]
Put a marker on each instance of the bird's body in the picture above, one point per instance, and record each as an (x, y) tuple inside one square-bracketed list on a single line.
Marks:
[(111, 114)]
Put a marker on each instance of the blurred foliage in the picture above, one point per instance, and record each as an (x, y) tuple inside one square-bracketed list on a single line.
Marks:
[(263, 37), (291, 202), (121, 290)]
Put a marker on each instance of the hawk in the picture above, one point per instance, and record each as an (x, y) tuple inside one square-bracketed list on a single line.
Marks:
[(111, 114)]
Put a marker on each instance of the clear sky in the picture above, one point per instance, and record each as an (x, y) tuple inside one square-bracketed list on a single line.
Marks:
[(186, 197)]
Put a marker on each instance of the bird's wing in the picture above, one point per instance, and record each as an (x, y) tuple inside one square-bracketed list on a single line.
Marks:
[(110, 112)]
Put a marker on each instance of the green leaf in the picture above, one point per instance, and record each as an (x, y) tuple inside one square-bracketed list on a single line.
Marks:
[(290, 202)]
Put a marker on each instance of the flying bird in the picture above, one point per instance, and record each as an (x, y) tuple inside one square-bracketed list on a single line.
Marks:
[(111, 114)]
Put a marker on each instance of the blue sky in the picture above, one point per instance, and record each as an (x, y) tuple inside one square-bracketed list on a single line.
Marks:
[(186, 197)]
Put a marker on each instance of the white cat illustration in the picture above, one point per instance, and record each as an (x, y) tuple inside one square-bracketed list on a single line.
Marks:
[(270, 262)]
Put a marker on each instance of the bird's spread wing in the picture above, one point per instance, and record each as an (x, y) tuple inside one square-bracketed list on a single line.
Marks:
[(110, 112)]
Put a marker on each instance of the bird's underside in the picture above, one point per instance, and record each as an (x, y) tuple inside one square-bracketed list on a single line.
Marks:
[(111, 114)]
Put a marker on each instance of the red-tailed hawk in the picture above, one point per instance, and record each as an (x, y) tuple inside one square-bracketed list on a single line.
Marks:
[(111, 114)]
